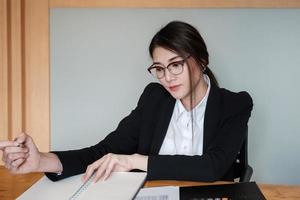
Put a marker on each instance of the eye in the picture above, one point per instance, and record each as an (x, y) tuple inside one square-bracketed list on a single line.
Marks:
[(159, 69), (177, 64)]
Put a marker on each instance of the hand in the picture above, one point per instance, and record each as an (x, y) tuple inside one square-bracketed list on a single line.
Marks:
[(115, 163), (21, 157), (5, 144), (108, 164)]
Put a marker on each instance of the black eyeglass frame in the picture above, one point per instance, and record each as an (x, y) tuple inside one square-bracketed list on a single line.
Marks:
[(154, 66)]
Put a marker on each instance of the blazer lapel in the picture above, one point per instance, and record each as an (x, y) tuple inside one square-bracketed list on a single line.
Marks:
[(211, 116), (163, 121), (211, 119)]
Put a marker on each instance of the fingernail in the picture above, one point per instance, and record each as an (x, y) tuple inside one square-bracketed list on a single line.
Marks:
[(97, 179)]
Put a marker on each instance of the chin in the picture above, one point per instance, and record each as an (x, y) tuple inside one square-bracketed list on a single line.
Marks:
[(176, 95), (179, 94)]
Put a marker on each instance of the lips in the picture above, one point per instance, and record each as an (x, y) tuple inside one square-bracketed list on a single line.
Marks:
[(174, 88)]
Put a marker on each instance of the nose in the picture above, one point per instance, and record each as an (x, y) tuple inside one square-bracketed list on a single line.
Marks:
[(168, 76)]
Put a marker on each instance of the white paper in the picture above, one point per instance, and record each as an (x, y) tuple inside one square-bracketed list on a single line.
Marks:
[(159, 193), (119, 186)]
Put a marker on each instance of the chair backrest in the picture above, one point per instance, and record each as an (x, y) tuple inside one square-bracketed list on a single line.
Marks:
[(246, 170), (240, 168)]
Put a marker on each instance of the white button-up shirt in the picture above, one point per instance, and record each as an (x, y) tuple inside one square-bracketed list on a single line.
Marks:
[(180, 139)]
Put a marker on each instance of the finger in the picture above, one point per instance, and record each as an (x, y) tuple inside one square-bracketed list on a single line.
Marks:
[(109, 169), (13, 170), (4, 157), (29, 141), (17, 163), (91, 168), (102, 169), (21, 138), (89, 171), (15, 149), (5, 144), (10, 157), (7, 166), (15, 156)]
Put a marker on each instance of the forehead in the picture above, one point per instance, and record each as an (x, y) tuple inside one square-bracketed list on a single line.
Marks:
[(163, 55)]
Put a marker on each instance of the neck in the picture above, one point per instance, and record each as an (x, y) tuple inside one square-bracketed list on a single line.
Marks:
[(197, 94)]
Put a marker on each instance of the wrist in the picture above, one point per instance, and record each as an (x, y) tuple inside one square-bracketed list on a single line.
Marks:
[(49, 162), (139, 161)]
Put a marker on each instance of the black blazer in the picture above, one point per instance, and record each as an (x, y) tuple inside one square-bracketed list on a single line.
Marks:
[(144, 129)]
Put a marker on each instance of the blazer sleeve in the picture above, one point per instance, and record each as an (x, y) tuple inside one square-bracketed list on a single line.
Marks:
[(221, 153), (123, 140)]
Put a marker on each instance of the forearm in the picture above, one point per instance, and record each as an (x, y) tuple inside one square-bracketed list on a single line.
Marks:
[(181, 167), (49, 162)]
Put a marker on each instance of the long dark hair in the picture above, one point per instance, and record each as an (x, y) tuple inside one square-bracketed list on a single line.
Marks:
[(184, 39)]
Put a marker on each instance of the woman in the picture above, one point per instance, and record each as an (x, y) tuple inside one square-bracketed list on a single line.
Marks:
[(185, 128)]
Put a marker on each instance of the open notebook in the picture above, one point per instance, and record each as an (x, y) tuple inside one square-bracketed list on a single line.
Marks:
[(119, 186)]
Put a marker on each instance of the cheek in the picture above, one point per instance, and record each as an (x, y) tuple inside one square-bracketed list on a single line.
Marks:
[(163, 82), (185, 77)]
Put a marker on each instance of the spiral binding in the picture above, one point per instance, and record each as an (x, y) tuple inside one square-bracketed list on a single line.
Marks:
[(82, 188)]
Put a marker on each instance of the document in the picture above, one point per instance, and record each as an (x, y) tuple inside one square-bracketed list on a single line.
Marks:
[(119, 186), (159, 193)]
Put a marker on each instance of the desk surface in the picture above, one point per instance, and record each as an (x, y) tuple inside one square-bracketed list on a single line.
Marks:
[(12, 186)]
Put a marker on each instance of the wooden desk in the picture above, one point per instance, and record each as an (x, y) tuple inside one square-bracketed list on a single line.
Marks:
[(12, 186)]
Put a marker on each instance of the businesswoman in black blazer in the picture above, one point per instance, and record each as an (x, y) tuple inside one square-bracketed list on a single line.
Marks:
[(184, 128)]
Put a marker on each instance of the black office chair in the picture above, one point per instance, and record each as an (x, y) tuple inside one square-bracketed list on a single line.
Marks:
[(240, 171), (243, 170)]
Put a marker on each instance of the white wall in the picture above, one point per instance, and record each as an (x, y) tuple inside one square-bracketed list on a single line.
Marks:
[(98, 70)]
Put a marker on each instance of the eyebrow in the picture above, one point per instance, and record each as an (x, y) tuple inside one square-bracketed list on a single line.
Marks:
[(171, 59), (174, 58)]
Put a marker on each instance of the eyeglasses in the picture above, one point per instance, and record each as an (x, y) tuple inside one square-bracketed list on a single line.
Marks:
[(175, 68)]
